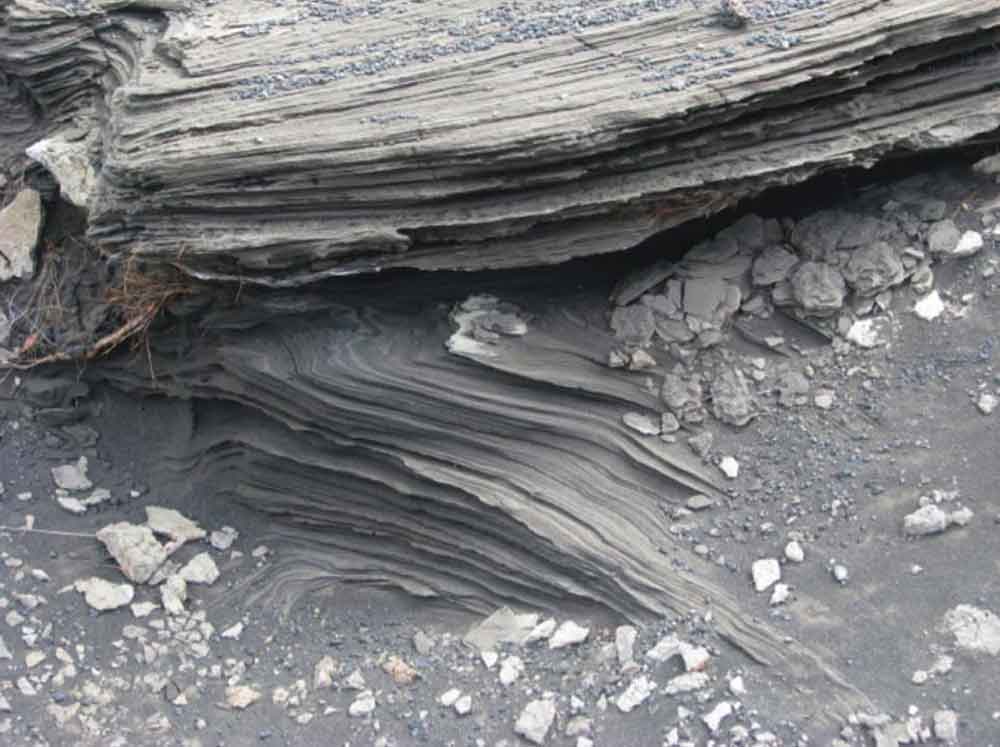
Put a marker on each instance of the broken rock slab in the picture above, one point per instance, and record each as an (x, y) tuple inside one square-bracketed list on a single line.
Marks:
[(535, 721), (173, 524), (503, 626), (135, 549), (103, 595), (72, 477), (974, 629), (20, 231), (68, 161)]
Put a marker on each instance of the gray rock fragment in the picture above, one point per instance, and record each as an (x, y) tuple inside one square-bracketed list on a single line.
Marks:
[(732, 399), (503, 626), (635, 694), (20, 231), (72, 477), (201, 569), (872, 269), (766, 572), (773, 265), (819, 288), (625, 638), (642, 424), (734, 14), (223, 539), (943, 237), (946, 726), (634, 325), (173, 594), (568, 634)]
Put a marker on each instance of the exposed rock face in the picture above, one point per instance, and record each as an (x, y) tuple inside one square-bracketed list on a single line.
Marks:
[(275, 166)]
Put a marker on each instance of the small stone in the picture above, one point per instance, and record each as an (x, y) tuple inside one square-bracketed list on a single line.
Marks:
[(625, 638), (448, 698), (20, 230), (233, 632), (241, 697), (687, 683), (766, 573), (669, 423), (223, 539), (974, 629), (840, 573), (794, 552), (355, 681), (490, 658), (734, 14), (729, 467), (201, 569), (824, 399), (535, 721), (942, 237), (173, 594), (568, 634), (261, 551), (780, 594), (423, 644), (510, 670), (401, 672), (920, 677), (865, 333), (714, 718), (641, 361), (926, 520), (103, 595), (33, 658), (642, 424), (699, 502), (930, 307), (173, 524), (363, 705), (701, 443), (946, 726), (987, 403), (72, 477), (737, 687), (636, 694), (135, 548), (73, 505), (970, 243), (542, 631), (463, 706)]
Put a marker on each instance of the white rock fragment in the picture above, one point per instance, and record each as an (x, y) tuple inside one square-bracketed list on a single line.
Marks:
[(510, 670), (73, 505), (448, 698), (642, 424), (463, 706), (223, 539), (173, 524), (568, 634), (535, 721), (144, 609), (714, 718), (824, 399), (542, 631), (201, 569), (932, 519), (930, 307), (840, 573), (241, 697), (72, 477), (33, 658), (68, 161), (780, 594), (135, 548), (946, 726), (489, 658), (730, 467), (974, 629), (766, 572), (233, 632), (865, 333), (363, 705), (794, 552), (625, 638), (987, 403), (970, 243), (20, 230), (173, 594), (355, 681), (103, 595), (737, 687), (687, 683), (635, 694)]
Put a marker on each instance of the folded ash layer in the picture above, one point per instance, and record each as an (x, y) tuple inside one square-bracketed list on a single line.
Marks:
[(282, 143), (474, 453)]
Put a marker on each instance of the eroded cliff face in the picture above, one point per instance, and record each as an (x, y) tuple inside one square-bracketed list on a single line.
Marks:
[(517, 437)]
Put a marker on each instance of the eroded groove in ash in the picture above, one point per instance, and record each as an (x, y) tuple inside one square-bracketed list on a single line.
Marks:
[(482, 479)]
